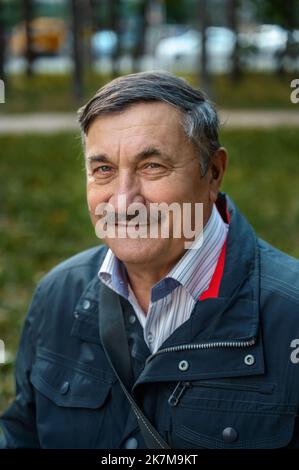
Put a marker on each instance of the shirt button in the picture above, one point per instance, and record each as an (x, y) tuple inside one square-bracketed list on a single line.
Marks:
[(131, 443), (132, 319), (183, 365), (64, 388), (150, 337), (86, 304), (229, 435), (249, 360)]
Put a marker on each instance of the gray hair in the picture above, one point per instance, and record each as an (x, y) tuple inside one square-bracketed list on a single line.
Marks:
[(200, 121)]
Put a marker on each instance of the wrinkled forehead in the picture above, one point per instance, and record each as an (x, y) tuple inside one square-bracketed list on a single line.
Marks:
[(156, 123), (138, 115)]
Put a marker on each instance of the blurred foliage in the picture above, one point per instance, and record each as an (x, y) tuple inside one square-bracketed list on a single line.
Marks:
[(13, 10), (44, 216), (284, 13)]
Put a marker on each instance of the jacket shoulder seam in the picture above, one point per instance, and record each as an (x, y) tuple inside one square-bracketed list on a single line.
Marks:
[(280, 288)]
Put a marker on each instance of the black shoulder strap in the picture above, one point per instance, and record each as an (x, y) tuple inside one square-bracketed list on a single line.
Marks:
[(115, 344)]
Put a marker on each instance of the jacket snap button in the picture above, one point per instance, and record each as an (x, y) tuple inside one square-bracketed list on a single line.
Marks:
[(249, 360), (184, 365), (64, 388), (229, 435), (132, 319), (86, 304), (131, 443)]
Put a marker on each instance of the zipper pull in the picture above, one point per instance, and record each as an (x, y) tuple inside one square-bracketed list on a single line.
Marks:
[(174, 398)]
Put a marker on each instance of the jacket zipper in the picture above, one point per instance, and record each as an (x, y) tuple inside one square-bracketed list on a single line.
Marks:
[(209, 345), (180, 388)]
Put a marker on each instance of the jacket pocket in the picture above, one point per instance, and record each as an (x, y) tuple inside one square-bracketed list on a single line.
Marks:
[(265, 388), (71, 404), (232, 430), (229, 416)]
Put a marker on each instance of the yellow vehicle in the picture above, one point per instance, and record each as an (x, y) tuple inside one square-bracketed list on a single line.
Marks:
[(48, 37)]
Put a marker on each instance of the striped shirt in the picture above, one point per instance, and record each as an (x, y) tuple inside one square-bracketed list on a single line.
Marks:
[(174, 296)]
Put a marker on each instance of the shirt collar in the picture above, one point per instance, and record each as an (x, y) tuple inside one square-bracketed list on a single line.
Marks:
[(113, 273)]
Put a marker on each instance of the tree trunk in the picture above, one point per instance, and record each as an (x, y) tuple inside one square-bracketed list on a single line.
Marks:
[(233, 23), (77, 50), (291, 49), (139, 48), (204, 75), (90, 28), (28, 16), (115, 26), (2, 42)]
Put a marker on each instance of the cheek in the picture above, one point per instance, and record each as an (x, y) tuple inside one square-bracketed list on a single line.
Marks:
[(95, 196), (177, 190), (166, 190)]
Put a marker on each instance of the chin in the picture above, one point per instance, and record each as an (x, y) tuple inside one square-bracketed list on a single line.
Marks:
[(136, 251)]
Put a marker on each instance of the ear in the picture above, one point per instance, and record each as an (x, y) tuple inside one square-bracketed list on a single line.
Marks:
[(217, 169)]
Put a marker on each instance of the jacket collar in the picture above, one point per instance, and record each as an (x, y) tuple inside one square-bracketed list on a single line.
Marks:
[(230, 318)]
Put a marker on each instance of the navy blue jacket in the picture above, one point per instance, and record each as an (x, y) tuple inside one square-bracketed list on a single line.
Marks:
[(226, 378)]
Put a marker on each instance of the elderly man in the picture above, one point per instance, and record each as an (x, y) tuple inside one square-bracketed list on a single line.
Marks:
[(145, 342)]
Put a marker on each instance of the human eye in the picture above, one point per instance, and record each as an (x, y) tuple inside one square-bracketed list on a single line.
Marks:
[(102, 169), (153, 169), (152, 165)]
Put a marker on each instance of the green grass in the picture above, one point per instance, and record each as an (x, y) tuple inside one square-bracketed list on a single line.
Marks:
[(254, 91), (49, 93), (263, 180), (44, 217)]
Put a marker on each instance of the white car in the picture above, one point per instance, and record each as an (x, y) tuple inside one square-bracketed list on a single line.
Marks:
[(267, 38), (268, 43), (183, 52)]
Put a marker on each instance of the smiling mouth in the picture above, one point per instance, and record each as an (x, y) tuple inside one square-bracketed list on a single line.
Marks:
[(127, 224)]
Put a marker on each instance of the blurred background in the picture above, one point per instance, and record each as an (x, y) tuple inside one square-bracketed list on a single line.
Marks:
[(54, 55), (55, 51)]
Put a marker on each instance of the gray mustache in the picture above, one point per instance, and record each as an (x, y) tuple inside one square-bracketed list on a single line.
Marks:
[(116, 218)]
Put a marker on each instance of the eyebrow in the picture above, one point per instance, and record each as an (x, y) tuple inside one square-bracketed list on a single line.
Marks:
[(145, 153), (98, 158)]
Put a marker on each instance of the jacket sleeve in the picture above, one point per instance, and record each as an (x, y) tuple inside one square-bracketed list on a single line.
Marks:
[(18, 421)]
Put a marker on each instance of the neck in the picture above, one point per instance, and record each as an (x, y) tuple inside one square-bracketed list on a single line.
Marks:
[(143, 277)]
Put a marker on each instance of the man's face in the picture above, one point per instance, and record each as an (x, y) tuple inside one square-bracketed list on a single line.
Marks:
[(142, 154)]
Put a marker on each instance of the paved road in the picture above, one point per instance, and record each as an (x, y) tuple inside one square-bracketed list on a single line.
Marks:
[(54, 122), (37, 123)]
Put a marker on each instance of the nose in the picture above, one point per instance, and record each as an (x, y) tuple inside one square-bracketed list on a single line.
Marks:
[(126, 192)]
